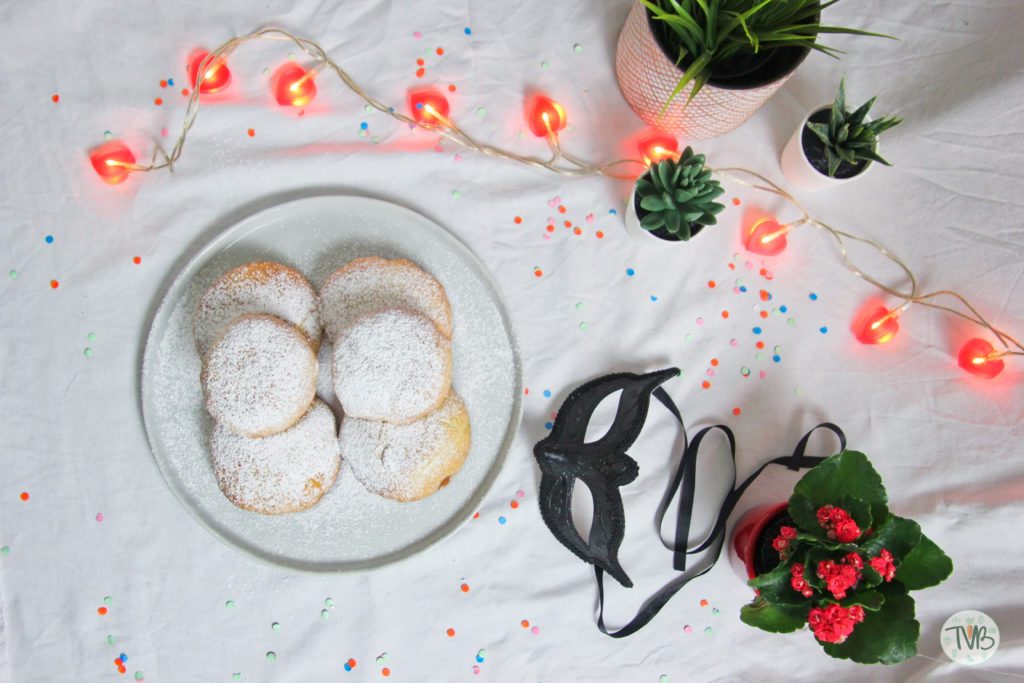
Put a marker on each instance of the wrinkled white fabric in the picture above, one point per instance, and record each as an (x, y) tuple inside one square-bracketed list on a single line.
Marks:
[(71, 432)]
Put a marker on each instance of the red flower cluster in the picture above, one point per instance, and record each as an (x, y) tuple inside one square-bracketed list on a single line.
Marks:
[(834, 624), (841, 576), (884, 565), (798, 582), (781, 542), (838, 523)]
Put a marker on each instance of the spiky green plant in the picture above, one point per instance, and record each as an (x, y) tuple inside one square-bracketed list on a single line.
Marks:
[(712, 33), (678, 195), (847, 136)]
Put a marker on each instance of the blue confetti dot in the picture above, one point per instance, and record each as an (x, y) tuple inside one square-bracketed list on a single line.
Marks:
[(348, 667), (812, 296), (743, 288), (123, 657), (783, 309), (391, 109), (823, 329), (479, 659), (49, 239), (613, 212), (757, 330), (419, 105), (547, 393), (170, 81), (630, 272), (501, 520), (776, 358), (364, 125), (653, 298), (549, 425), (467, 31)]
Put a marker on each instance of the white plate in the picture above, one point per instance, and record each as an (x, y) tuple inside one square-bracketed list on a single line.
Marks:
[(350, 528)]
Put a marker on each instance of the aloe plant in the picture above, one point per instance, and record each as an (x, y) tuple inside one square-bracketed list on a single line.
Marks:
[(679, 195), (849, 136), (712, 33)]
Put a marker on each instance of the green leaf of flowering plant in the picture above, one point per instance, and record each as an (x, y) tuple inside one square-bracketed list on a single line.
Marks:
[(888, 636), (774, 618), (868, 599), (775, 586), (897, 535), (925, 566), (847, 474)]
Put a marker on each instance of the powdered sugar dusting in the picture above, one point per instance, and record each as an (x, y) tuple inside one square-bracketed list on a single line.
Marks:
[(257, 287), (260, 376), (286, 472), (371, 284), (392, 365), (406, 462)]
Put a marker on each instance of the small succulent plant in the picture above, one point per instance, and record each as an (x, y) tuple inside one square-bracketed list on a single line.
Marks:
[(847, 136), (679, 196)]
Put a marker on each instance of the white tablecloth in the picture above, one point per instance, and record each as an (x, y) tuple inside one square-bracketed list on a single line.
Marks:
[(71, 434)]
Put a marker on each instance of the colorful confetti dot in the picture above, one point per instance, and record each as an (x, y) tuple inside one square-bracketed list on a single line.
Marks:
[(467, 31), (714, 610), (662, 678), (5, 550), (535, 630), (812, 296), (101, 611), (703, 602), (777, 358), (48, 239), (520, 493), (271, 656), (538, 272), (329, 602), (514, 504), (99, 516), (735, 201), (577, 48), (549, 425), (385, 672), (599, 234), (136, 260), (55, 97), (708, 631), (12, 273), (525, 623), (501, 520), (630, 272), (138, 675), (237, 676), (456, 194), (276, 626), (705, 384), (54, 284), (736, 411), (440, 51), (544, 65), (158, 101), (229, 603), (324, 614), (450, 632), (756, 330), (464, 588)]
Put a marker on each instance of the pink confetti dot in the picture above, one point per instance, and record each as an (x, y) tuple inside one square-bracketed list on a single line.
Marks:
[(417, 35), (458, 157), (762, 374), (748, 265), (476, 669), (520, 493), (547, 236), (535, 630), (710, 372), (438, 148), (590, 218), (164, 132), (700, 321), (687, 629), (733, 342), (99, 516)]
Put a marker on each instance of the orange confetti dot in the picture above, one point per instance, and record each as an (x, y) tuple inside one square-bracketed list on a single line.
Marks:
[(54, 284), (451, 88), (419, 62), (703, 603), (476, 515), (732, 266), (517, 220), (385, 672), (351, 663), (158, 101), (706, 384), (420, 71), (450, 632), (561, 208), (137, 260), (184, 91), (725, 314), (712, 284), (440, 51), (121, 669), (714, 362), (526, 391), (163, 84), (514, 504), (736, 411), (525, 623), (762, 271), (764, 293), (759, 344), (101, 611), (55, 98), (577, 231), (551, 228), (251, 132), (600, 235), (736, 201), (465, 587), (538, 272), (24, 495), (764, 314), (567, 224)]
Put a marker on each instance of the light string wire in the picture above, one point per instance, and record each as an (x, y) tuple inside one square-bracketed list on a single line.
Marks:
[(565, 164)]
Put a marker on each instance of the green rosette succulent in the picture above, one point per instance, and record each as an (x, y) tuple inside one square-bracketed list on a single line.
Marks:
[(678, 196)]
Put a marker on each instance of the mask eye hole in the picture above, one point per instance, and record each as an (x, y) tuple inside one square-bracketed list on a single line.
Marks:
[(582, 509), (602, 417)]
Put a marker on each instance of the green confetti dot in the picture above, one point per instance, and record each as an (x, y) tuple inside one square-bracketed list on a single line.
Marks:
[(110, 640), (87, 353), (584, 326), (544, 65), (5, 551), (329, 602), (367, 108), (481, 112), (107, 135), (759, 356), (266, 72), (456, 194), (138, 675), (12, 273), (662, 678), (291, 56), (236, 676), (375, 139), (276, 626), (481, 653), (91, 336), (791, 322), (108, 601), (708, 631), (324, 614), (714, 610), (229, 603), (689, 336), (579, 306), (577, 48), (271, 656)]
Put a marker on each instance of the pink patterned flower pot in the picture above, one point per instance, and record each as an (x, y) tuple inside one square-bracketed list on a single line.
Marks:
[(647, 77)]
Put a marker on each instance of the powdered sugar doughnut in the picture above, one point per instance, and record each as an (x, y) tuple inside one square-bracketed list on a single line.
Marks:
[(286, 472), (408, 462), (258, 287), (392, 365), (371, 284), (260, 376)]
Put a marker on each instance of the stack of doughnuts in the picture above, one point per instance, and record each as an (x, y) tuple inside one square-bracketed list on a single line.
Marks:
[(405, 431), (273, 446)]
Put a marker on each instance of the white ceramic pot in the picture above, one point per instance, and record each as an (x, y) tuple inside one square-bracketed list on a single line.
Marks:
[(799, 171), (642, 237)]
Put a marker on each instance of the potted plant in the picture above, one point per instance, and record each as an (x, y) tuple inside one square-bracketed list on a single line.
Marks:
[(835, 558), (833, 145), (703, 67), (673, 201)]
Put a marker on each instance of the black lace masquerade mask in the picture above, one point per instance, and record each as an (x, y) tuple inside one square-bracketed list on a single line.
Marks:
[(604, 466)]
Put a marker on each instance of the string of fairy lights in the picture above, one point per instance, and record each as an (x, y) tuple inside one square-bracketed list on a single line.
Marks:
[(295, 86)]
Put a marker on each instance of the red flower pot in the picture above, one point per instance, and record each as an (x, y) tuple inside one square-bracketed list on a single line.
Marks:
[(747, 532)]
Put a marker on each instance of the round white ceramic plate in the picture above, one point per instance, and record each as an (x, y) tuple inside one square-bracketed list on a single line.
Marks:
[(349, 529)]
